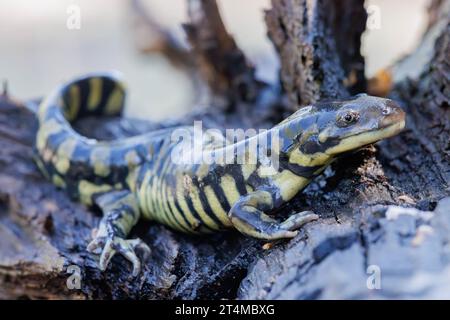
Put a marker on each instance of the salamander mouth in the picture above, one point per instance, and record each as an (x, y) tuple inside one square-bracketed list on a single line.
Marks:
[(364, 138)]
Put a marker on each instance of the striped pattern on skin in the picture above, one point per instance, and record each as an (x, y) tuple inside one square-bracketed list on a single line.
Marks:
[(138, 178)]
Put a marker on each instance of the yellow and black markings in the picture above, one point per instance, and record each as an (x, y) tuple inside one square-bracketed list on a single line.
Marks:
[(137, 176)]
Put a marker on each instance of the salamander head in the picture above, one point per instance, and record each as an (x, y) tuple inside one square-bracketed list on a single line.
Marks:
[(328, 129)]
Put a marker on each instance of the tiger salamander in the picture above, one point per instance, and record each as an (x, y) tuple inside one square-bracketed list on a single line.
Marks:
[(138, 177)]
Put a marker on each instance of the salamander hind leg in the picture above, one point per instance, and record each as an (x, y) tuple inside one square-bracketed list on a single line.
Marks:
[(248, 216), (121, 213)]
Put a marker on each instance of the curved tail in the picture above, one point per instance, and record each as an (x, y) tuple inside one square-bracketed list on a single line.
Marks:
[(85, 166)]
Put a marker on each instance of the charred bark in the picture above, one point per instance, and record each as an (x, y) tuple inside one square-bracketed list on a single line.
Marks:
[(382, 213), (318, 43), (223, 65)]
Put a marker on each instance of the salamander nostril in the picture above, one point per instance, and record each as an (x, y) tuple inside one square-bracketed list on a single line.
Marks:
[(386, 111)]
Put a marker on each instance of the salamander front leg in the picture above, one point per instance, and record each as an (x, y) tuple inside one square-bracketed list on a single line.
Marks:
[(248, 217), (121, 213)]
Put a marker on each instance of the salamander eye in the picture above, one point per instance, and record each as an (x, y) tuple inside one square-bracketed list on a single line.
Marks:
[(347, 118)]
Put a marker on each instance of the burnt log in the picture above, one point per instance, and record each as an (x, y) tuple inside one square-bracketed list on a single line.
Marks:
[(223, 65), (382, 213), (318, 43)]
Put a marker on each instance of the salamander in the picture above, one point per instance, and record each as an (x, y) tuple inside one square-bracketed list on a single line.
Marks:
[(143, 177)]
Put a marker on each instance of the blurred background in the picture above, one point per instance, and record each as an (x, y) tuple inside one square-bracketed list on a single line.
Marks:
[(38, 50)]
